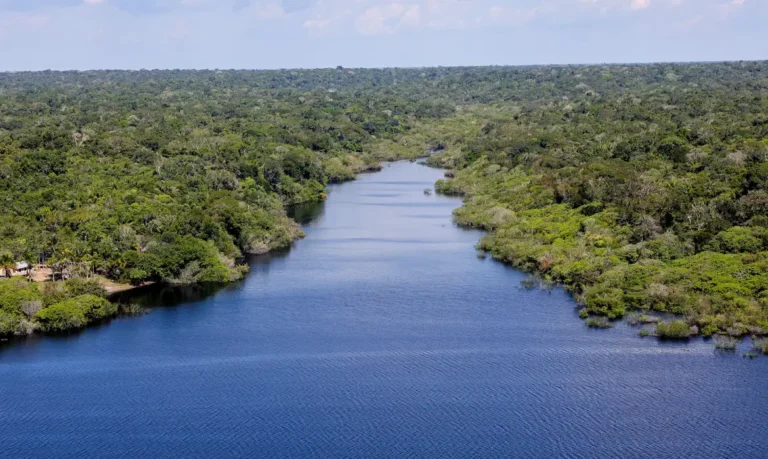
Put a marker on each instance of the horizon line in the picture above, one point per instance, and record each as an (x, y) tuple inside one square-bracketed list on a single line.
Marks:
[(277, 69)]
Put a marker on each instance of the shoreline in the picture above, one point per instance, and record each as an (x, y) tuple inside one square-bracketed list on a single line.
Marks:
[(115, 289)]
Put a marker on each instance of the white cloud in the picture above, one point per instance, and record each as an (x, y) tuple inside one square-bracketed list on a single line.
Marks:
[(93, 2), (640, 4), (387, 19)]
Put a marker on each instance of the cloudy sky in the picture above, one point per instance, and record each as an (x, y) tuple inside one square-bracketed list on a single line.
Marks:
[(88, 34)]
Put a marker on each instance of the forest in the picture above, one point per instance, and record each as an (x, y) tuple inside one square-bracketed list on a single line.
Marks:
[(638, 187)]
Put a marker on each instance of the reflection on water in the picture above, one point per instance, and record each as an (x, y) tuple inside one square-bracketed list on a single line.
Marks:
[(162, 295), (307, 212)]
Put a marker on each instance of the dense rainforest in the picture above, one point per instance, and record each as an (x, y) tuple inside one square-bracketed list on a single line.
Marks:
[(639, 187)]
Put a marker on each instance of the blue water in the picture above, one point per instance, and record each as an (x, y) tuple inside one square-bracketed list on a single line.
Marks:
[(381, 334)]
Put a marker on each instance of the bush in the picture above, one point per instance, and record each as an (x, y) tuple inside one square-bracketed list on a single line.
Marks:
[(598, 322), (643, 333), (606, 301), (61, 316), (74, 313), (15, 293), (726, 343), (676, 329), (132, 309), (737, 239), (528, 283), (78, 287), (639, 319), (709, 330)]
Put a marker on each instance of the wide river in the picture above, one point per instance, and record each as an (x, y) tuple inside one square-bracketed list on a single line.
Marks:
[(381, 334)]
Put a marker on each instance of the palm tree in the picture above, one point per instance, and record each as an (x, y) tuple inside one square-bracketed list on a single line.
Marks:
[(6, 263)]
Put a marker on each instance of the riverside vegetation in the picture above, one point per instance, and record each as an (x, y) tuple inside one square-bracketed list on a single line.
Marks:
[(639, 187), (174, 176)]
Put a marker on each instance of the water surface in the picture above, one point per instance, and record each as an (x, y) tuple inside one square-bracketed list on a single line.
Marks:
[(381, 334)]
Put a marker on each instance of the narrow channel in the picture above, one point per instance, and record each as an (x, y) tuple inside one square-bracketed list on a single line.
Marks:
[(381, 334)]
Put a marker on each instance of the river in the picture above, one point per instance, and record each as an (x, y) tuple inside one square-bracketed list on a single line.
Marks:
[(382, 334)]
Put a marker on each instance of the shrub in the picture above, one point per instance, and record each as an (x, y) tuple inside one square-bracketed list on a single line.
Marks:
[(8, 323), (726, 343), (61, 316), (78, 287), (31, 307), (676, 329), (583, 313), (528, 283), (598, 322), (638, 319), (132, 309), (643, 333), (709, 330), (737, 239), (15, 293), (74, 313), (606, 301)]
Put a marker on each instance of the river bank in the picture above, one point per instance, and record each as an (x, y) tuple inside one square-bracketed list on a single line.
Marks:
[(48, 292), (379, 334)]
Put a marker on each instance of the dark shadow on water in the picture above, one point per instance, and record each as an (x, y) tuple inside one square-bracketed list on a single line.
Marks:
[(306, 213), (172, 295)]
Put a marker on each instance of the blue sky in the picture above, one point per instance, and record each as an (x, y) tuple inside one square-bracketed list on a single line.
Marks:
[(96, 34)]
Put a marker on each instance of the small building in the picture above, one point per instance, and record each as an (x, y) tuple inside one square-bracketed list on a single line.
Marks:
[(23, 266)]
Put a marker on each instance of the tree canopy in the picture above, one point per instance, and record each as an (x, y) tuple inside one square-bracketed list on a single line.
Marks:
[(637, 186)]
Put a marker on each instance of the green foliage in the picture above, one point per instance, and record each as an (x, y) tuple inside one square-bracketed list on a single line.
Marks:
[(726, 343), (173, 175), (709, 330), (740, 240), (598, 322), (26, 306), (651, 195), (75, 313), (605, 301), (77, 287), (14, 293), (675, 329), (637, 191)]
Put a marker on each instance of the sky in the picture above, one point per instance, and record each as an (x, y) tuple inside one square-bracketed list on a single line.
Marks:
[(267, 34)]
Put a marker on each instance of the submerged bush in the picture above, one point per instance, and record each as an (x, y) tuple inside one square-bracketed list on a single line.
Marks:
[(132, 309), (726, 343), (598, 322), (528, 283), (676, 329), (639, 319)]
